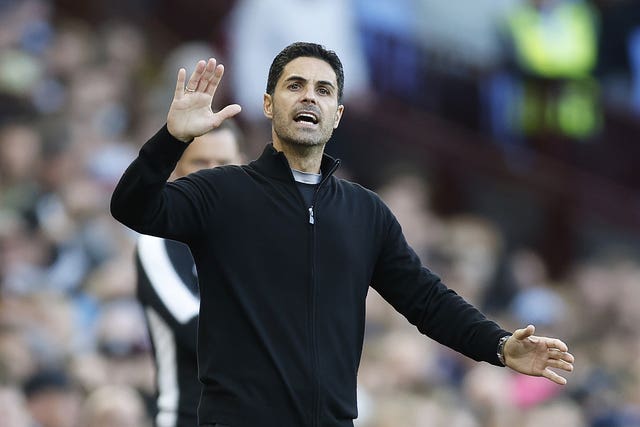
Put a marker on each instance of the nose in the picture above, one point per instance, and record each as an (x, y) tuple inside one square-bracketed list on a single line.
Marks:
[(309, 94)]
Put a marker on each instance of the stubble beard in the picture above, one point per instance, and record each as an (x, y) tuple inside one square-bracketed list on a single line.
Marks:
[(300, 139)]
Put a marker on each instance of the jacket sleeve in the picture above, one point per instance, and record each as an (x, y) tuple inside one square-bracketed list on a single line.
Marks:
[(427, 303), (146, 203)]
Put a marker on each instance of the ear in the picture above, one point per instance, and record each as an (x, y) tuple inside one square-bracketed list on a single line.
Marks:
[(338, 116), (267, 106)]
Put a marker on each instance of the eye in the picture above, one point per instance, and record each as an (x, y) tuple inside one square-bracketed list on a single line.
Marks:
[(324, 91), (294, 86)]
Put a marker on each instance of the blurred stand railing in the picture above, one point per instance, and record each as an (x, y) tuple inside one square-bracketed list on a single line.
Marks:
[(463, 163), (438, 110)]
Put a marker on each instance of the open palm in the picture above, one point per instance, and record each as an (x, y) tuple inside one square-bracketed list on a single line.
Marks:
[(190, 114), (533, 355)]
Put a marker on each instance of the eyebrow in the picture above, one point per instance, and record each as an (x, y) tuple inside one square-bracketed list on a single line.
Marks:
[(302, 79)]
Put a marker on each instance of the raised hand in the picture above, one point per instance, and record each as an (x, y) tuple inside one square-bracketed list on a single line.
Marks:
[(532, 355), (190, 114)]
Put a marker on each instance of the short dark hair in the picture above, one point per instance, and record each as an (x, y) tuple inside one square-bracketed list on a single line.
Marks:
[(304, 49)]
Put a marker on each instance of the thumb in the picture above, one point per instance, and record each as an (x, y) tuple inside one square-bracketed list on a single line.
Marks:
[(521, 334), (228, 112)]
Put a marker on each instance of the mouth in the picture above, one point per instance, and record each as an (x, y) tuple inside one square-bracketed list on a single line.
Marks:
[(306, 117)]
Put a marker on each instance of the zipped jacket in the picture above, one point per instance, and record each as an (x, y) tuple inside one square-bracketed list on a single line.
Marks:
[(283, 285)]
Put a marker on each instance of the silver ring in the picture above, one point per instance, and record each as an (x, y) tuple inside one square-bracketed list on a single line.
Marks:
[(186, 89)]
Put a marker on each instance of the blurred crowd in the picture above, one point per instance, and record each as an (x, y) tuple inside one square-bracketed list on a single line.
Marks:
[(82, 87)]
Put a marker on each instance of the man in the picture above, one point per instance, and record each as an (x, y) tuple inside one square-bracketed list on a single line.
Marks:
[(168, 291), (286, 253)]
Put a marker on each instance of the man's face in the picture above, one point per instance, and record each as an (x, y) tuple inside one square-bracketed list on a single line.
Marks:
[(304, 107), (213, 149)]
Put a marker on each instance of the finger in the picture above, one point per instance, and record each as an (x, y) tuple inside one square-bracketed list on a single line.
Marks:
[(552, 376), (561, 355), (209, 71), (568, 357), (226, 113), (560, 364), (182, 73), (215, 79), (521, 334), (192, 85), (554, 343)]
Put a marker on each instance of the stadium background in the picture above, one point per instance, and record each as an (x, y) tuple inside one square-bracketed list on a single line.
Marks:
[(505, 135)]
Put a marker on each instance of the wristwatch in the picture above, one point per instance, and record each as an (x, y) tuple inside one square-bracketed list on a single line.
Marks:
[(500, 350)]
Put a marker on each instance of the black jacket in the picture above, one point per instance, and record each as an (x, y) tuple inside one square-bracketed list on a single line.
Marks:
[(283, 285)]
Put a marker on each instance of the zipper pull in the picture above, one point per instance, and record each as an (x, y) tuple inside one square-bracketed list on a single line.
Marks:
[(311, 219)]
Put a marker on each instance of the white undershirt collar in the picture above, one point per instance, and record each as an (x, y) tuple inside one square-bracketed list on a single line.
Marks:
[(306, 177)]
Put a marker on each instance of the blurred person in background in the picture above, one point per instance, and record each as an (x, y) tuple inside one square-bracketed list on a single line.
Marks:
[(120, 354), (286, 253), (53, 399), (536, 300), (562, 412), (168, 291), (17, 361), (409, 196), (472, 249), (552, 47), (20, 155), (114, 406), (461, 33), (13, 408), (387, 29), (619, 53)]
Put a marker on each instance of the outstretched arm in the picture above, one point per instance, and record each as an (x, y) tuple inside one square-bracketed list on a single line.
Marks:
[(536, 356), (190, 114)]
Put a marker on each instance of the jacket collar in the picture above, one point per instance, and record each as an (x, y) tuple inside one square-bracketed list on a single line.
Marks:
[(274, 164)]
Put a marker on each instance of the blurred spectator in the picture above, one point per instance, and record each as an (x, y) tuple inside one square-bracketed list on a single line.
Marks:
[(17, 361), (408, 195), (114, 406), (52, 398), (462, 36), (123, 343), (535, 302), (564, 413), (472, 249), (484, 388), (387, 30), (616, 67), (41, 324), (25, 35), (13, 408), (553, 46), (20, 155)]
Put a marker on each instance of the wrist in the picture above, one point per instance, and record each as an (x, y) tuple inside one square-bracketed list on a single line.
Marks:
[(500, 349), (177, 136)]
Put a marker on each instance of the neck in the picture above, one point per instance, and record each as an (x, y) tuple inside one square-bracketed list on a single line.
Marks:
[(304, 158)]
